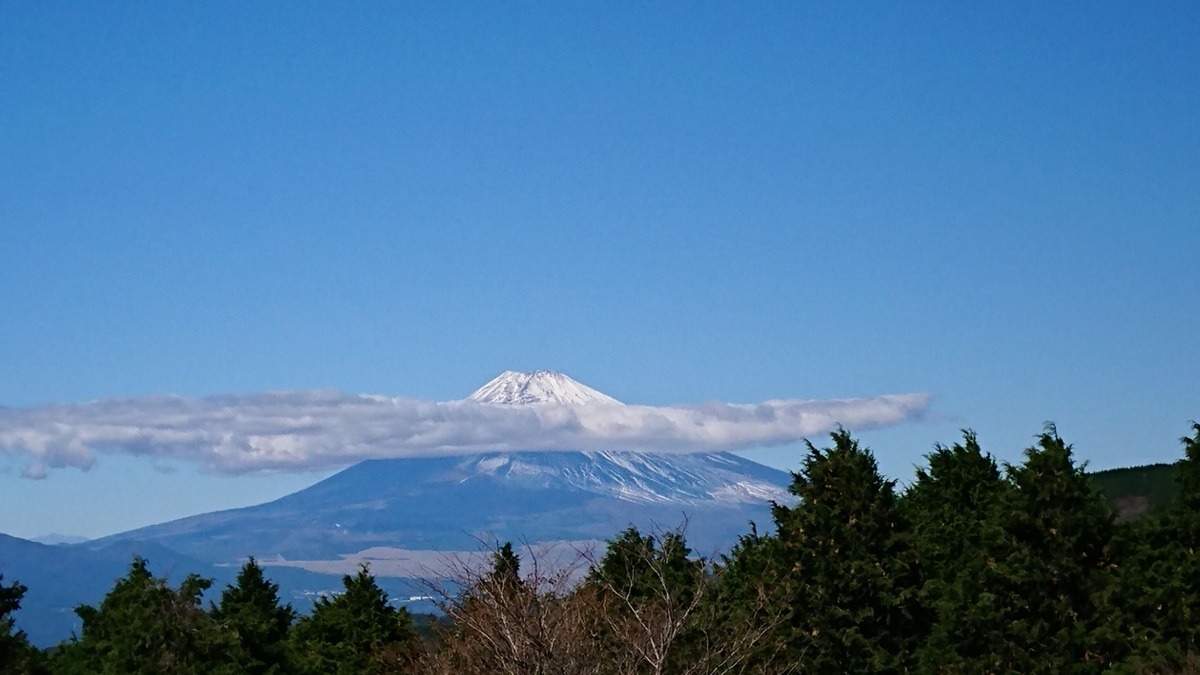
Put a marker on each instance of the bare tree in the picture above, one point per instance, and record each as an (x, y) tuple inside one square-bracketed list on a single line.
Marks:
[(646, 607), (507, 623)]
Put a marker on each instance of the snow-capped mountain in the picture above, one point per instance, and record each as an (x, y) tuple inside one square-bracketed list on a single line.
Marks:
[(448, 503), (540, 386)]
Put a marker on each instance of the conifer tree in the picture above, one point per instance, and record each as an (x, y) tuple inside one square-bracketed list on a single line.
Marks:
[(1052, 571), (1160, 575), (847, 565), (145, 626), (953, 508), (358, 631), (648, 588), (506, 567), (251, 609), (16, 654), (751, 595), (644, 566)]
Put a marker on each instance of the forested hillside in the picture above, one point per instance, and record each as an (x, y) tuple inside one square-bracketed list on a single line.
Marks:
[(1136, 491), (973, 569)]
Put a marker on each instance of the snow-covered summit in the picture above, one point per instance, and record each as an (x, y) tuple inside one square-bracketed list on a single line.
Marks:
[(540, 386)]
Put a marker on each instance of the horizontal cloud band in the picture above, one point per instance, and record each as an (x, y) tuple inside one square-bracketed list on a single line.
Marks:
[(303, 430)]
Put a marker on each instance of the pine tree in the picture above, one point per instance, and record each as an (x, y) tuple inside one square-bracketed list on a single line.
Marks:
[(358, 631), (251, 609)]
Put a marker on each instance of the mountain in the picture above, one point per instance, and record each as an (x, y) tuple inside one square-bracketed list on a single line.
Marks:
[(441, 504), (444, 504), (540, 386)]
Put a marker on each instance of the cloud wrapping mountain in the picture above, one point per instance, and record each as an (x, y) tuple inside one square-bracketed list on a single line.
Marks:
[(303, 430)]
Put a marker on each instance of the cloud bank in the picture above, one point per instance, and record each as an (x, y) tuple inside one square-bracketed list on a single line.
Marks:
[(304, 430)]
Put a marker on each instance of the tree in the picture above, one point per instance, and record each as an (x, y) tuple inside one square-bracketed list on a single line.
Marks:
[(957, 533), (357, 631), (649, 588), (1049, 577), (251, 609), (507, 622), (506, 566), (752, 605), (1159, 578), (145, 626), (16, 654), (846, 564)]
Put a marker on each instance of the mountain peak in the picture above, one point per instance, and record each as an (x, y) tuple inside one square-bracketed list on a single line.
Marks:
[(540, 386)]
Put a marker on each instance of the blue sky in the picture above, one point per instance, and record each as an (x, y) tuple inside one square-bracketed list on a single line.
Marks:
[(998, 205)]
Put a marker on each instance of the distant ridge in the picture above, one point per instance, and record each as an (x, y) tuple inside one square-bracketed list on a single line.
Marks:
[(540, 386), (1135, 491)]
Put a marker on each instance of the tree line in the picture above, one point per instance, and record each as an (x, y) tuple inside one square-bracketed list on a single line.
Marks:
[(975, 567)]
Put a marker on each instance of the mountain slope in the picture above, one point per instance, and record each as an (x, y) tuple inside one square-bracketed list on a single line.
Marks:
[(60, 578), (444, 503)]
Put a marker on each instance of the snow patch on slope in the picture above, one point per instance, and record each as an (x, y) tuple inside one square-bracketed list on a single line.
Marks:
[(706, 478)]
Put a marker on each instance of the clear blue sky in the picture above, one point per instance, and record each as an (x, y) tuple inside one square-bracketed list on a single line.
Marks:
[(995, 203)]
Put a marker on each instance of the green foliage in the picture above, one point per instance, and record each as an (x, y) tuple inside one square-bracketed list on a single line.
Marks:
[(752, 589), (250, 608), (358, 631), (648, 586), (958, 536), (845, 559), (145, 626), (643, 566), (1048, 576), (506, 566), (1160, 582), (1134, 492), (16, 654)]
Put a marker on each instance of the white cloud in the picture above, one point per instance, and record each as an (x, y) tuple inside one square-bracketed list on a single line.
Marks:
[(301, 430)]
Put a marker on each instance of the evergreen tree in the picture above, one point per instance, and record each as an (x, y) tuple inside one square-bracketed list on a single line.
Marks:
[(649, 588), (752, 594), (506, 567), (954, 510), (251, 609), (358, 631), (642, 567), (1159, 579), (145, 626), (16, 654), (847, 565), (1051, 574)]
